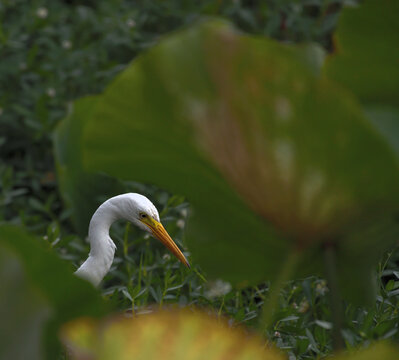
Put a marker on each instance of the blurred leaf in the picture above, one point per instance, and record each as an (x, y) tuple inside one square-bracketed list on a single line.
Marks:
[(367, 55), (24, 312), (39, 293), (381, 350), (324, 324), (361, 246), (313, 56), (386, 120), (312, 341), (80, 190), (241, 126), (164, 335)]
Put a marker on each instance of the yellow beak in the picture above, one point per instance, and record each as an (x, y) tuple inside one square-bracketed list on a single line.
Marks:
[(162, 235)]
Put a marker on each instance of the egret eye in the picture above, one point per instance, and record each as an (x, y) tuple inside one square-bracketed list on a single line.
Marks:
[(143, 216)]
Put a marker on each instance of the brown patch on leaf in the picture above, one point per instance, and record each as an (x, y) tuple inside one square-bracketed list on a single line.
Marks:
[(259, 163)]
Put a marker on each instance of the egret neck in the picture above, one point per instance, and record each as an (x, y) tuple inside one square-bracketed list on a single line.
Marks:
[(132, 207), (102, 248)]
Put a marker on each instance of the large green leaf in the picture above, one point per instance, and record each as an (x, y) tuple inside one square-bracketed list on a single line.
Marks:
[(272, 158), (194, 173), (80, 190), (39, 293), (367, 55)]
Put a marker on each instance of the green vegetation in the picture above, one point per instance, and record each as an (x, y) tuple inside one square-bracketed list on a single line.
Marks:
[(142, 134)]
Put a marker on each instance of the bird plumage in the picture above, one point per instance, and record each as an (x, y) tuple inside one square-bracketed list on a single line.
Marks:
[(132, 207)]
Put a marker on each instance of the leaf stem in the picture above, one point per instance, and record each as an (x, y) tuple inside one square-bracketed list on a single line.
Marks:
[(271, 303), (126, 254), (335, 296), (199, 274)]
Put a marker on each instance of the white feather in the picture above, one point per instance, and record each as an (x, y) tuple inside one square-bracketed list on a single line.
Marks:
[(102, 248)]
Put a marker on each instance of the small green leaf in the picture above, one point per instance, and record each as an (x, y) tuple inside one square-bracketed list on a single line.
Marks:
[(390, 285), (312, 341), (324, 324)]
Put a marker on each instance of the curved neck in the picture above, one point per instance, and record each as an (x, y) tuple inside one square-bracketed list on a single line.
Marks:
[(100, 224), (102, 248)]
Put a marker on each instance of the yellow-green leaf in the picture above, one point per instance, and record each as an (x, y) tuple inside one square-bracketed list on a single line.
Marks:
[(174, 335)]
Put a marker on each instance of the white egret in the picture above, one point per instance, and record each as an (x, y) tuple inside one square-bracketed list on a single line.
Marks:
[(132, 207)]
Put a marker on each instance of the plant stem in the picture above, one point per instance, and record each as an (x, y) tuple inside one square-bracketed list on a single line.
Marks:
[(133, 310), (335, 296), (126, 253), (221, 308), (199, 275), (271, 303)]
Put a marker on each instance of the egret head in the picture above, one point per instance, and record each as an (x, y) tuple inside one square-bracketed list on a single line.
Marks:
[(140, 211)]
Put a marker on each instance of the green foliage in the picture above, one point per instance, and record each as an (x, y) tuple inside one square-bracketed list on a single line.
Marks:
[(41, 294)]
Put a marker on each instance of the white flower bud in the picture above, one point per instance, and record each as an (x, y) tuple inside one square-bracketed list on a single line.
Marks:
[(180, 223), (217, 288), (66, 44), (42, 12), (130, 23), (51, 92)]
